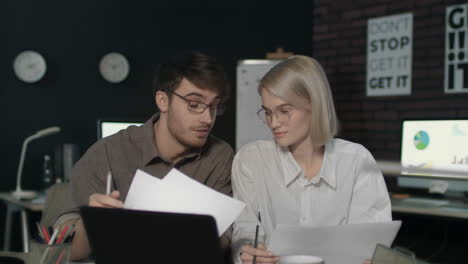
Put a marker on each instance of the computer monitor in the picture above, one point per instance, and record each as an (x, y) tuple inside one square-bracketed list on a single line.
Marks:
[(434, 144), (106, 128)]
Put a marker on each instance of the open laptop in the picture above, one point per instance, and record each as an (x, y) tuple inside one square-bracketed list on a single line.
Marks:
[(131, 236)]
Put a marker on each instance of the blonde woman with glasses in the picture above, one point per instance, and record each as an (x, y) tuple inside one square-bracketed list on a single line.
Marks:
[(304, 176)]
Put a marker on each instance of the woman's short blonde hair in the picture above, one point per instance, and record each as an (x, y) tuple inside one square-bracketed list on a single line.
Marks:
[(301, 80)]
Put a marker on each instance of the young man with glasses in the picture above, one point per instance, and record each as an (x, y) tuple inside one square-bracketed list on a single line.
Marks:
[(189, 91)]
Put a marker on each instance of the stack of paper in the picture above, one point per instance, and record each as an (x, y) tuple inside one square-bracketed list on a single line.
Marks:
[(177, 193), (350, 244)]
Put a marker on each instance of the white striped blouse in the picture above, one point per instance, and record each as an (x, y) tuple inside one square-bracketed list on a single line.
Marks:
[(349, 188)]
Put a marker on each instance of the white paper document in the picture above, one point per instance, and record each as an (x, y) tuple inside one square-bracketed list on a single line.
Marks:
[(177, 193), (349, 244)]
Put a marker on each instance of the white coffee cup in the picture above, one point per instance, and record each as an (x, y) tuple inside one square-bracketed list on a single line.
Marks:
[(300, 259)]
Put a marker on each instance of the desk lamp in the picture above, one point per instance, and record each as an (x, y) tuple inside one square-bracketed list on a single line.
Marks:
[(19, 193)]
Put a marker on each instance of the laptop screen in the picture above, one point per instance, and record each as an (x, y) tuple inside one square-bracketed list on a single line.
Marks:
[(110, 127), (435, 144), (131, 236)]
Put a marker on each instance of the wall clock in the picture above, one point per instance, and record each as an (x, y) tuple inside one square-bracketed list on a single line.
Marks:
[(29, 66), (114, 67)]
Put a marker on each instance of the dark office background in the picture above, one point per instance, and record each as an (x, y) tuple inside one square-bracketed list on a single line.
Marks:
[(73, 36)]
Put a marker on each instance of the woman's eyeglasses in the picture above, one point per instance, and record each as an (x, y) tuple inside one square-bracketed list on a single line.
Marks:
[(282, 115)]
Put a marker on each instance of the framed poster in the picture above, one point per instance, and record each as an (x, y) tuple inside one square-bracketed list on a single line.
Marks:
[(389, 55), (456, 56)]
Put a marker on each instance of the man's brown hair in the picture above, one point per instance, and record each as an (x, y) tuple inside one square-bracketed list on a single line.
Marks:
[(200, 69)]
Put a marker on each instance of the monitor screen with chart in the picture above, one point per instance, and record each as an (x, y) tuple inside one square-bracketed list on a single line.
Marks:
[(434, 144)]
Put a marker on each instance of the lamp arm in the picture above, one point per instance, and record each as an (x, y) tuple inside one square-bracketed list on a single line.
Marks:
[(20, 194), (21, 162)]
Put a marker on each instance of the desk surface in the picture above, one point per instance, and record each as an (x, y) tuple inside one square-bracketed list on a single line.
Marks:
[(436, 207), (29, 258), (33, 205), (447, 208)]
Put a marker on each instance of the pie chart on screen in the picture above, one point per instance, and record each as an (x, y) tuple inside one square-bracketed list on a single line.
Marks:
[(421, 140)]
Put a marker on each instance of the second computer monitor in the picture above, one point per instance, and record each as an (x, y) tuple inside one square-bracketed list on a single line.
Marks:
[(440, 145), (110, 127)]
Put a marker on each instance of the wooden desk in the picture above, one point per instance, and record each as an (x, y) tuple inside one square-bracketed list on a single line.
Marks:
[(15, 205), (436, 207)]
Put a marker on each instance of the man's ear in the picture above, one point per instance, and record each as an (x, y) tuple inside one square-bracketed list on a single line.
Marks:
[(162, 101)]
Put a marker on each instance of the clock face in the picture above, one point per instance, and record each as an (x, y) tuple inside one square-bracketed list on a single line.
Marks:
[(114, 67), (29, 66)]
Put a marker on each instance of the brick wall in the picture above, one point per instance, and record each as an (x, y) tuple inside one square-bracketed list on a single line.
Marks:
[(339, 39)]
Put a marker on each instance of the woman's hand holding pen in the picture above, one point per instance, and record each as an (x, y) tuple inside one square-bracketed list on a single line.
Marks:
[(263, 255), (102, 200)]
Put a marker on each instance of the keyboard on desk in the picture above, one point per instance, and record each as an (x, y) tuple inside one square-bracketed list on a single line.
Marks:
[(431, 206), (424, 202)]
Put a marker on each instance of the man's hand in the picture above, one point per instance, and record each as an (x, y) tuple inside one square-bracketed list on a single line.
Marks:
[(80, 246), (263, 255), (108, 201)]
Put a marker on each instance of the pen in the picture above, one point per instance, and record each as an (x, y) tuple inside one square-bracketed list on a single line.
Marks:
[(109, 183), (60, 257), (44, 255), (46, 234), (256, 239), (41, 235), (109, 174), (70, 230), (54, 235), (255, 244), (62, 235)]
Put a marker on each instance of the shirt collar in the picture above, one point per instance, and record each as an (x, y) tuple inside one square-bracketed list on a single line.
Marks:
[(328, 170), (151, 152), (292, 170)]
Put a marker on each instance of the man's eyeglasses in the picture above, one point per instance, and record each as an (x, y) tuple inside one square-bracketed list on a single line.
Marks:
[(282, 115), (199, 107)]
